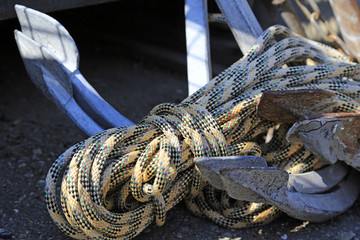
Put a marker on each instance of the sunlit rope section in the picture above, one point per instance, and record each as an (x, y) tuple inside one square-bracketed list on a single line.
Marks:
[(115, 184)]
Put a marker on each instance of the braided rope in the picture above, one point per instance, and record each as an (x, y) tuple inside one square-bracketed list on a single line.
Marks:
[(117, 182)]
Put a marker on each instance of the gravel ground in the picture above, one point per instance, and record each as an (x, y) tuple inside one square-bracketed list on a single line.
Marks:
[(33, 132)]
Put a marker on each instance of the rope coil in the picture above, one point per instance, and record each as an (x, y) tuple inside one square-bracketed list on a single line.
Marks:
[(117, 182)]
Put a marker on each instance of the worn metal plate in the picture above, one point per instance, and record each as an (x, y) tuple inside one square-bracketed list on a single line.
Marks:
[(290, 105), (330, 136)]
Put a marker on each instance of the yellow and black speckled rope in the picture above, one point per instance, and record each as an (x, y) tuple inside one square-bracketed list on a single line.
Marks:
[(119, 181)]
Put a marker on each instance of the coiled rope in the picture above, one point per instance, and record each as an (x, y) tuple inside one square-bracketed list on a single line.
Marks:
[(118, 182)]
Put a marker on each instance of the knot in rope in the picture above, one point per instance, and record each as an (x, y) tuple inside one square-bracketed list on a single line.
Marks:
[(119, 181), (185, 127)]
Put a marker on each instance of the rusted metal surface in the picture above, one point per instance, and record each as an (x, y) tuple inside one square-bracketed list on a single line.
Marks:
[(290, 105), (350, 137), (331, 136), (347, 14), (314, 196), (270, 184)]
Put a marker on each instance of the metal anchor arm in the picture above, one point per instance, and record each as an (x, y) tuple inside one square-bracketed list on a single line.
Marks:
[(314, 196), (50, 82), (48, 36), (271, 185)]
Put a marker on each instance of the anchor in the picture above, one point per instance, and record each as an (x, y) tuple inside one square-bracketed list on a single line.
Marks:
[(51, 58), (312, 196)]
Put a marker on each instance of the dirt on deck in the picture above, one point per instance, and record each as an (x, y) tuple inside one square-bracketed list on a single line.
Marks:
[(116, 43)]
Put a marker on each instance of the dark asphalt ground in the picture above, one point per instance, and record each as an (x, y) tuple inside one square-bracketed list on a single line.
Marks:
[(118, 45)]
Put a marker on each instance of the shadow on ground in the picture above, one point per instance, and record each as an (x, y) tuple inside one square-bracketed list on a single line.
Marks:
[(118, 45)]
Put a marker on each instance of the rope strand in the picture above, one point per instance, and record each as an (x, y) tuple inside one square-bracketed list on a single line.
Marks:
[(118, 182)]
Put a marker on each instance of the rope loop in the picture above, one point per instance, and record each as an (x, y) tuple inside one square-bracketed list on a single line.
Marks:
[(119, 181), (191, 124)]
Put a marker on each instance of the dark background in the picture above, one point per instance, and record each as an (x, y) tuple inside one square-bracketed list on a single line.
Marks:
[(133, 53)]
